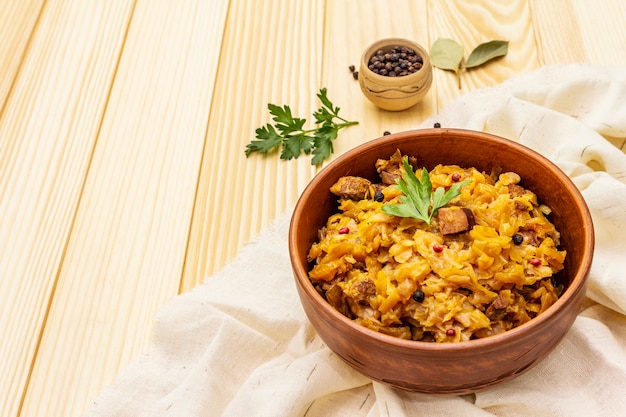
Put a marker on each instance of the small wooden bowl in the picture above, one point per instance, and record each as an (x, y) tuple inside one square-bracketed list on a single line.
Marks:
[(395, 93), (452, 368)]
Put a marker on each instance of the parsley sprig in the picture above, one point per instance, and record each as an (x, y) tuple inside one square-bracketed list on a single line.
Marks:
[(419, 195), (289, 133)]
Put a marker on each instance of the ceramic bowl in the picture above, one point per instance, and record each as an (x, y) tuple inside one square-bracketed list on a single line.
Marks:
[(395, 93), (447, 368)]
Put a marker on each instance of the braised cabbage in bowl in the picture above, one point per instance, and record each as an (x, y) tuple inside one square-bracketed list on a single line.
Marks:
[(480, 265)]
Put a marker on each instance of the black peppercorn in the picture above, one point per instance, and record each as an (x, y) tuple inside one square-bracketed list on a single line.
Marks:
[(355, 75), (351, 68), (437, 125), (517, 238), (379, 196), (397, 62), (418, 296), (386, 132)]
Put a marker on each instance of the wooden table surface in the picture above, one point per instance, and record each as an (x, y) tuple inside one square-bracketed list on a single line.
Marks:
[(123, 124)]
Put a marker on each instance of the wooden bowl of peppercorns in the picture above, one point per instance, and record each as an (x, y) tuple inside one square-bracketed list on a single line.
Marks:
[(395, 74), (456, 367)]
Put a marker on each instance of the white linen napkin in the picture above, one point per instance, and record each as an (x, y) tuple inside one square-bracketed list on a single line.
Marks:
[(241, 345)]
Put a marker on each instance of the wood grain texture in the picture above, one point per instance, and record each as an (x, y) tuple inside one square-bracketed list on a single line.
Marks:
[(47, 136), (123, 125), (128, 240), (580, 31), (238, 195), (472, 23), (17, 21), (352, 26)]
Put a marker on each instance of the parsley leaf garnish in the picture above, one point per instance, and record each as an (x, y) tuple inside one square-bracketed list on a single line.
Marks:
[(419, 196), (288, 132)]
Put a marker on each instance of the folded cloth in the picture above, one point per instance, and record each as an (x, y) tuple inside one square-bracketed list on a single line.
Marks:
[(241, 345)]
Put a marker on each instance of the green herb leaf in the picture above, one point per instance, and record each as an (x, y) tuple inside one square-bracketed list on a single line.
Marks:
[(269, 140), (486, 52), (289, 133), (323, 97), (323, 143), (419, 196), (296, 144), (285, 122)]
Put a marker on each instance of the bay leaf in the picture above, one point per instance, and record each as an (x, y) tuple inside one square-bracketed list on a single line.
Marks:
[(446, 54), (486, 52)]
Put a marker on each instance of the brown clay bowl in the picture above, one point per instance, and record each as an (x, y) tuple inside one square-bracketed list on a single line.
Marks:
[(449, 368)]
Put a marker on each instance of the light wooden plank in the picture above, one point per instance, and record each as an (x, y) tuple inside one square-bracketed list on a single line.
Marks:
[(556, 29), (604, 30), (472, 23), (352, 26), (580, 31), (126, 251), (328, 41), (17, 20), (237, 196), (47, 135)]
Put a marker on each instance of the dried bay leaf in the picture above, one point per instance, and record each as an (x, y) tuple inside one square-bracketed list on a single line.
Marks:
[(446, 54), (486, 52)]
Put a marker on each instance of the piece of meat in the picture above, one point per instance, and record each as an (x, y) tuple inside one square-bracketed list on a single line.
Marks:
[(516, 190), (388, 177), (336, 298), (365, 289), (455, 220), (379, 187), (389, 169), (497, 308), (353, 188), (520, 206)]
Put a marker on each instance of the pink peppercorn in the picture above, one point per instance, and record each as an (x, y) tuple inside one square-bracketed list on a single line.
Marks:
[(344, 230), (535, 262), (437, 248), (450, 332), (455, 177)]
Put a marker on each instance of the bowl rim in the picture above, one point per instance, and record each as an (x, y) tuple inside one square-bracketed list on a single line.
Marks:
[(577, 284)]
